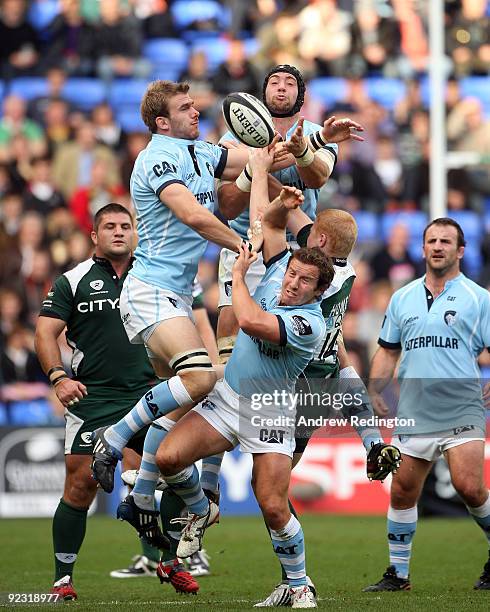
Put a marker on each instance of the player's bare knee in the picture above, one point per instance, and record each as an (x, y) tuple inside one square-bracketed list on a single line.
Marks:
[(199, 383), (403, 494), (473, 494), (168, 461), (79, 491), (275, 511)]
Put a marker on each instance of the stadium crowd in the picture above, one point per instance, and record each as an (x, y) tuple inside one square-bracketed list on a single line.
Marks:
[(67, 146)]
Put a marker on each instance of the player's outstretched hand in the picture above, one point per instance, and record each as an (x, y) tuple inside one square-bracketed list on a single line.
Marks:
[(297, 143), (291, 197), (245, 259), (338, 130), (382, 460), (260, 160)]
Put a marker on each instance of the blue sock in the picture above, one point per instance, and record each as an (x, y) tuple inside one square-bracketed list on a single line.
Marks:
[(289, 546), (158, 402), (481, 515), (401, 526), (210, 472), (187, 486), (144, 488)]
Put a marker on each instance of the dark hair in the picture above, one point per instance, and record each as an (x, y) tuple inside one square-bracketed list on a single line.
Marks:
[(447, 221), (113, 207), (293, 71), (314, 256)]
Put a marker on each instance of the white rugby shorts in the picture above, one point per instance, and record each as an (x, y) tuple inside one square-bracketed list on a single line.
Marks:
[(252, 278), (431, 446), (254, 430), (143, 307)]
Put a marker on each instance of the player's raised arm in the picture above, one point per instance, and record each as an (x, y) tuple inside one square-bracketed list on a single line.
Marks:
[(250, 316), (312, 168), (186, 208)]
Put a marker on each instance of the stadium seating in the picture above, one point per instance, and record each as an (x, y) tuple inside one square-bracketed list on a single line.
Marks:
[(386, 92), (29, 87), (84, 93), (130, 120), (477, 87), (35, 412), (414, 221), (42, 12), (367, 226), (126, 93), (215, 50), (168, 55), (328, 90), (471, 223), (3, 415), (186, 12)]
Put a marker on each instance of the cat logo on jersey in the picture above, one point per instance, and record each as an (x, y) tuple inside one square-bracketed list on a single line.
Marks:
[(97, 285), (450, 317), (301, 326)]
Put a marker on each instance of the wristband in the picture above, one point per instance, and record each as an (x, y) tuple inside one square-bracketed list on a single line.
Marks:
[(244, 180), (58, 379), (56, 368), (306, 158), (316, 141), (248, 245)]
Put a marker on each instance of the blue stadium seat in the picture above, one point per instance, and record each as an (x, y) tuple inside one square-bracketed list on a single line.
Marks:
[(3, 415), (29, 87), (328, 90), (471, 223), (386, 92), (414, 221), (168, 55), (472, 260), (477, 87), (34, 412), (130, 120), (42, 12), (126, 92), (367, 226), (84, 93), (185, 12), (415, 248), (215, 49)]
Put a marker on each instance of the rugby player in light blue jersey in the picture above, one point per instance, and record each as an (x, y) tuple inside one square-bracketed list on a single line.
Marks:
[(172, 186), (310, 153), (280, 329), (437, 326)]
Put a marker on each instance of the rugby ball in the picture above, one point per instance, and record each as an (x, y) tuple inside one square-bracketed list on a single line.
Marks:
[(248, 119)]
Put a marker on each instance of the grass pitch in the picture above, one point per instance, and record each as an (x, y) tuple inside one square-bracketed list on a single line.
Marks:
[(344, 554)]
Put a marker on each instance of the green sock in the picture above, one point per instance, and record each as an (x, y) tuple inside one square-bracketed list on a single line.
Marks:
[(171, 507), (152, 553), (284, 577), (69, 526)]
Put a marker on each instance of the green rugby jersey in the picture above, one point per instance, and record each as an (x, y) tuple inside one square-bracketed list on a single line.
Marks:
[(87, 299), (334, 305)]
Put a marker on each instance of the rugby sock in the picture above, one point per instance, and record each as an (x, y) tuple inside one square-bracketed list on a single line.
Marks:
[(159, 401), (146, 482), (150, 552), (210, 472), (69, 524), (481, 515), (171, 507), (187, 486), (401, 526), (289, 546)]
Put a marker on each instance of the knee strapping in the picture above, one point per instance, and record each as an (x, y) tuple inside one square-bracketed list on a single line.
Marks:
[(196, 359), (225, 348)]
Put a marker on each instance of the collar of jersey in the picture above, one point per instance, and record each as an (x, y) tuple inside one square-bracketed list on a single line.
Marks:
[(448, 283), (181, 141), (311, 306), (105, 263)]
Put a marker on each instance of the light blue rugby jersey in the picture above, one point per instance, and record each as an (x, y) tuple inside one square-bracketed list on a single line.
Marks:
[(288, 176), (440, 340), (257, 366), (168, 250)]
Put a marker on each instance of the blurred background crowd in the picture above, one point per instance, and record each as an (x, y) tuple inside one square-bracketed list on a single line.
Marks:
[(72, 76)]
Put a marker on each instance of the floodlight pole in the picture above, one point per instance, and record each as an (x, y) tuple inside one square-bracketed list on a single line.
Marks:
[(437, 84)]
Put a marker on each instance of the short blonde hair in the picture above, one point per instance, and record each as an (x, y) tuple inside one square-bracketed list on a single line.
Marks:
[(156, 98), (341, 229)]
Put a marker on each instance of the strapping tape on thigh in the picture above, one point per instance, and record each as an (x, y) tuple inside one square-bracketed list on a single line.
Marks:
[(197, 359)]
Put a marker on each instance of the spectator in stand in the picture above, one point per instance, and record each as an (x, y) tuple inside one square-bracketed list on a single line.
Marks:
[(414, 42), (389, 172), (236, 73), (14, 122), (392, 261), (375, 44), (71, 43), (409, 104), (107, 131), (57, 124), (468, 39), (37, 283), (12, 312), (11, 210), (135, 143), (6, 182), (325, 37), (372, 316), (199, 79), (18, 361), (40, 193), (86, 201), (73, 161), (156, 18), (118, 44), (36, 108), (19, 48)]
